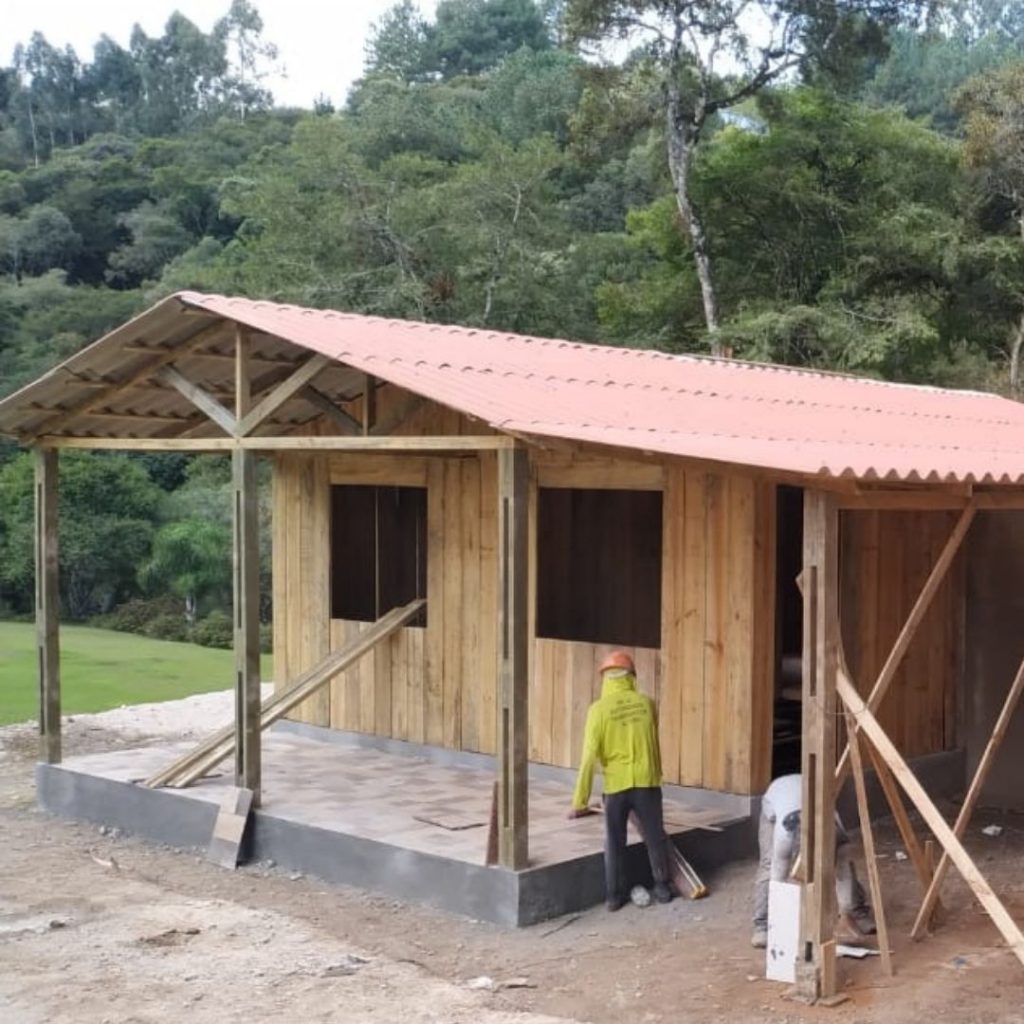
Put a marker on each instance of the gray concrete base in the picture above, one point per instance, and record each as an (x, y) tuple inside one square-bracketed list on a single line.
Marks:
[(185, 819)]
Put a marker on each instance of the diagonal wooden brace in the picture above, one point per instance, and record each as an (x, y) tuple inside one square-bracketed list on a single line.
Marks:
[(993, 906), (980, 775)]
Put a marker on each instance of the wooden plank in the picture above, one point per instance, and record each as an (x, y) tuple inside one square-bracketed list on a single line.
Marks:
[(279, 571), (820, 579), (397, 419), (540, 692), (282, 393), (917, 613), (316, 576), (348, 425), (199, 397), (971, 799), (378, 470), (763, 652), (868, 723), (47, 605), (595, 472), (383, 687), (229, 828), (488, 687), (440, 445), (215, 748), (339, 637), (454, 617), (868, 839), (416, 682), (738, 633), (717, 725), (670, 702), (513, 643), (691, 667), (581, 678), (246, 607), (468, 504), (433, 704), (899, 812), (557, 666)]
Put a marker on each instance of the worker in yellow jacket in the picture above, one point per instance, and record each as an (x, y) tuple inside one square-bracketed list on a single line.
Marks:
[(622, 736)]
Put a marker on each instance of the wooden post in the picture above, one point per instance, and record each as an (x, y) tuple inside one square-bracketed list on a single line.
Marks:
[(246, 592), (513, 680), (369, 403), (816, 961), (868, 838), (47, 606)]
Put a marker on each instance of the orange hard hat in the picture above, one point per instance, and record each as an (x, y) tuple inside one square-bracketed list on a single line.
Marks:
[(618, 659)]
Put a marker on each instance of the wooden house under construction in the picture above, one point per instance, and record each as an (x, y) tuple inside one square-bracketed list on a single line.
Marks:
[(530, 504)]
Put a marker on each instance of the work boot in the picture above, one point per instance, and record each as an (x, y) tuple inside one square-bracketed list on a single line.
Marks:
[(661, 892), (614, 902), (759, 939)]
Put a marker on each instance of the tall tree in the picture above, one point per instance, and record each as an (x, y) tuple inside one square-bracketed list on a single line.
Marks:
[(249, 54), (712, 55), (993, 106)]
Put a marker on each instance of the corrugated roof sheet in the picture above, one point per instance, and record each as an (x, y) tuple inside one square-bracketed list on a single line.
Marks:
[(729, 411), (724, 410)]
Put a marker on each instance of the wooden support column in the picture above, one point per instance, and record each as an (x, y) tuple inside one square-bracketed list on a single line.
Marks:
[(816, 960), (246, 592), (47, 606), (513, 646)]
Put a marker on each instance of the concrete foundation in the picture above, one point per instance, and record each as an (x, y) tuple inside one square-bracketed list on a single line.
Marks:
[(313, 821)]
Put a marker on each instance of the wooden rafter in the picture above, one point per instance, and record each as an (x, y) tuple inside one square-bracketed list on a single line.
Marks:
[(199, 397), (103, 397), (283, 392), (345, 422)]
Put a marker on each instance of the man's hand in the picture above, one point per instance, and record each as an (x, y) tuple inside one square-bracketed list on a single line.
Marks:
[(580, 812)]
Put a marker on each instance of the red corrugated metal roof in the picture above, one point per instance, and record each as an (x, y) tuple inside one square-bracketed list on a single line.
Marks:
[(725, 410)]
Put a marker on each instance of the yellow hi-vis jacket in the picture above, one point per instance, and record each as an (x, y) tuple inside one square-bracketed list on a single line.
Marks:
[(621, 736)]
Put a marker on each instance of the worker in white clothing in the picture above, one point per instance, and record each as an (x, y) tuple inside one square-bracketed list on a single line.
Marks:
[(779, 842)]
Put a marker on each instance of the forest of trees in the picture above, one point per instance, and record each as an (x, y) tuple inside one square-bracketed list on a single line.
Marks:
[(843, 190)]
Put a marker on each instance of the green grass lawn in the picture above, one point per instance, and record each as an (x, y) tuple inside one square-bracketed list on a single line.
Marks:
[(101, 669)]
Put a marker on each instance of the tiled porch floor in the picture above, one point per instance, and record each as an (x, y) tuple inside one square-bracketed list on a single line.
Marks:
[(382, 796)]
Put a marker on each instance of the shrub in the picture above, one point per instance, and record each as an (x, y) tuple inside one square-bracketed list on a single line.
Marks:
[(216, 630), (167, 627)]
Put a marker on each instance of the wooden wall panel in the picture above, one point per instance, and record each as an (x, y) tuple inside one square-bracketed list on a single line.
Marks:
[(886, 557), (301, 582), (718, 630)]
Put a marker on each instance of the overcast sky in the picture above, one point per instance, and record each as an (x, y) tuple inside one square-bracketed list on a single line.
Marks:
[(321, 44)]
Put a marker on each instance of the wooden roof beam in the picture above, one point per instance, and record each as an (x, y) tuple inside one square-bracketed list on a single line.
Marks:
[(396, 445), (201, 399), (346, 423), (103, 397), (284, 391)]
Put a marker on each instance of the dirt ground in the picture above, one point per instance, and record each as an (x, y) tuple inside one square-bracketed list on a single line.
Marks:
[(100, 928)]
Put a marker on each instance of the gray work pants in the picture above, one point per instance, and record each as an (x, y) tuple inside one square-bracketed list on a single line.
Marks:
[(646, 802), (778, 849)]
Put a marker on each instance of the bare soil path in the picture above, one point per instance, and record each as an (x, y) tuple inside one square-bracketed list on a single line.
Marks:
[(105, 928)]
